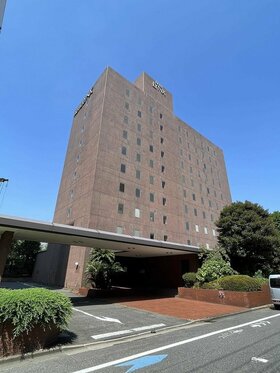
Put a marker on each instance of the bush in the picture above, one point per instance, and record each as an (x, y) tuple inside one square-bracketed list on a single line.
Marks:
[(212, 269), (239, 283), (28, 307), (211, 285), (189, 279)]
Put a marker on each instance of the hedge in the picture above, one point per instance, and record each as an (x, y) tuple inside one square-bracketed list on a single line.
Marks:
[(239, 283), (27, 307), (189, 279)]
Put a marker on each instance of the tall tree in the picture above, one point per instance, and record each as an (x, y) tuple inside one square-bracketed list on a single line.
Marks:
[(249, 236), (22, 257)]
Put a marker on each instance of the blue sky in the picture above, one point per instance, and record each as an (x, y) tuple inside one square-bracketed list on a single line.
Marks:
[(220, 59)]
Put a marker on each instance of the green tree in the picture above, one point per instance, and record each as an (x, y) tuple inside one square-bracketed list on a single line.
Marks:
[(101, 266), (21, 258), (276, 219), (249, 236)]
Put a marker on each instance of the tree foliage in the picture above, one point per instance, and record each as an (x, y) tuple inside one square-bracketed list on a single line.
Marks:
[(249, 236), (215, 265), (21, 258), (101, 266)]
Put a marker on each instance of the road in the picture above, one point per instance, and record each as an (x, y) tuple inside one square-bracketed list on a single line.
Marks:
[(248, 342)]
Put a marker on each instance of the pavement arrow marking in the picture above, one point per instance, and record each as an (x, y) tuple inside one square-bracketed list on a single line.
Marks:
[(142, 362), (102, 318)]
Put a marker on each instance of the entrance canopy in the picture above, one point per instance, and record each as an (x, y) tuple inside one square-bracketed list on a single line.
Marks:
[(122, 245)]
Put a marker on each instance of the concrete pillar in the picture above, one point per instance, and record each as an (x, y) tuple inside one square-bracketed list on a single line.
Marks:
[(5, 246)]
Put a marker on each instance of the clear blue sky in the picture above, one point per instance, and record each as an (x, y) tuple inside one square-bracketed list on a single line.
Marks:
[(220, 59)]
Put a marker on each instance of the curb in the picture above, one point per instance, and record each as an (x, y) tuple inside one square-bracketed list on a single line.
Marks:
[(61, 348)]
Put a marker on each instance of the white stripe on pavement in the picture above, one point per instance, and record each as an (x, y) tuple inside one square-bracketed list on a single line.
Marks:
[(167, 347), (128, 331), (260, 359)]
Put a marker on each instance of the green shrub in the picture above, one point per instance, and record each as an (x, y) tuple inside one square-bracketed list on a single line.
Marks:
[(28, 307), (239, 283), (212, 269), (211, 285), (189, 279)]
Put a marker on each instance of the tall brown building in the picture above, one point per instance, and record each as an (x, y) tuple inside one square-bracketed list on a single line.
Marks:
[(132, 167)]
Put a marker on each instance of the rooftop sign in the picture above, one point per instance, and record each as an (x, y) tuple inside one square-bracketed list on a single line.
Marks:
[(159, 87)]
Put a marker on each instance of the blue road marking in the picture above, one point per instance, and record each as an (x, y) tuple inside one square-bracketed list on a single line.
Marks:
[(142, 362)]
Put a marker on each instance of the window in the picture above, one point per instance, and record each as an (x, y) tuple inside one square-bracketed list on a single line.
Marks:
[(120, 208), (189, 242), (187, 225), (71, 194), (192, 182), (207, 246), (151, 148), (214, 232), (77, 158), (164, 219), (190, 157), (205, 230), (196, 228), (160, 115), (137, 174), (151, 163), (204, 215), (161, 140), (138, 157), (152, 236), (193, 197), (152, 216), (139, 114), (212, 217), (121, 189), (186, 209), (185, 193), (202, 200), (139, 127), (68, 212), (136, 233), (151, 179), (123, 168), (138, 141), (164, 201), (180, 140), (163, 184), (127, 92), (123, 150), (152, 197), (151, 109), (124, 135), (162, 168), (165, 237), (119, 230), (137, 213), (210, 203), (126, 105), (195, 212), (125, 119), (162, 154), (137, 192), (151, 134), (161, 127), (183, 179), (208, 191)]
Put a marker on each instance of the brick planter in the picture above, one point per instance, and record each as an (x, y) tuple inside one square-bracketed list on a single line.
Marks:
[(231, 298), (36, 339)]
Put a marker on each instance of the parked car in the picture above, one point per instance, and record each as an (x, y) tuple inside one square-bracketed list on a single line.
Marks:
[(274, 286)]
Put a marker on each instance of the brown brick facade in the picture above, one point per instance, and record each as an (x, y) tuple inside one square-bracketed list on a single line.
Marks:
[(133, 167)]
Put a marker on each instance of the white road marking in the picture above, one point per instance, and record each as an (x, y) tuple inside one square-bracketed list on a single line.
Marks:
[(147, 327), (260, 359), (102, 318), (128, 331), (167, 347)]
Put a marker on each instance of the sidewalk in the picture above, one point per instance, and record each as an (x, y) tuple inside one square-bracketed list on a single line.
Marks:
[(181, 308)]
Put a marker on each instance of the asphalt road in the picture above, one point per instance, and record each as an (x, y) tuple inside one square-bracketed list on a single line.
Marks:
[(99, 320), (248, 342)]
